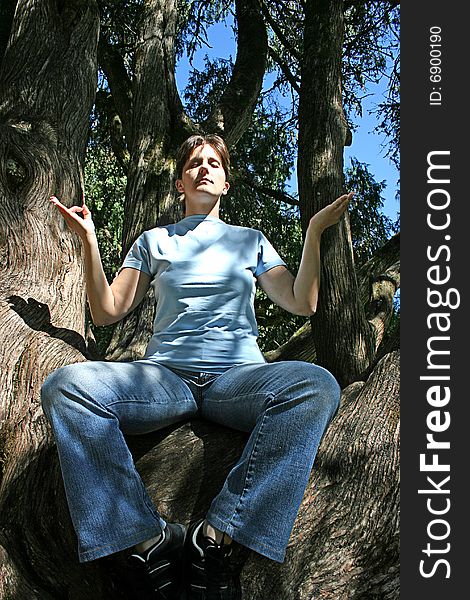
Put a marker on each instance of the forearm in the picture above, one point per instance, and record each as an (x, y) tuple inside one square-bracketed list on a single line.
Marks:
[(307, 282), (100, 296), (299, 295)]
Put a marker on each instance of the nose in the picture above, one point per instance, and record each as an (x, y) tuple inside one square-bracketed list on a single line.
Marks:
[(204, 167)]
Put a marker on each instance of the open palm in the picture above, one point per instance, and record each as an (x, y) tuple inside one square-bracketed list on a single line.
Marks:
[(331, 214)]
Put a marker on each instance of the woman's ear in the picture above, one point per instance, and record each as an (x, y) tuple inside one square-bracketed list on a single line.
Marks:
[(179, 186), (226, 188)]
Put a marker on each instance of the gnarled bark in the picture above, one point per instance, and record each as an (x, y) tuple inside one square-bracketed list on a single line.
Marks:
[(44, 112)]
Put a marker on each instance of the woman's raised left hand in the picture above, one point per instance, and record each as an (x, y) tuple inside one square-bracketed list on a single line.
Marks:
[(331, 214)]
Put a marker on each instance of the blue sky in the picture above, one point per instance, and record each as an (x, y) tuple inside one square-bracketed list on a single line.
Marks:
[(366, 146)]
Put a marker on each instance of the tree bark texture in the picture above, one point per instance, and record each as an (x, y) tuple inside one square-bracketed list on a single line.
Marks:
[(343, 337), (44, 112)]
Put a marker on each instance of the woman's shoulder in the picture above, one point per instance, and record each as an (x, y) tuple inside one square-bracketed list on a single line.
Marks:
[(157, 232), (242, 229)]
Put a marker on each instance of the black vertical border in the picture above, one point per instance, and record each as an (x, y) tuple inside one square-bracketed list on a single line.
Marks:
[(426, 128)]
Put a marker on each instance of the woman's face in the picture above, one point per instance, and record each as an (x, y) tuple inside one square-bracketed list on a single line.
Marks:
[(203, 175)]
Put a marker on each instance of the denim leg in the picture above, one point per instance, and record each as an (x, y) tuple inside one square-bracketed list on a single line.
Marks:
[(286, 406), (90, 406)]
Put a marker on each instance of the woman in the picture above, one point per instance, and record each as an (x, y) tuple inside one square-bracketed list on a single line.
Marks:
[(203, 359)]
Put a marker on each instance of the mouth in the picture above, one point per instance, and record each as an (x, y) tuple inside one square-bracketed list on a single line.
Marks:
[(204, 180)]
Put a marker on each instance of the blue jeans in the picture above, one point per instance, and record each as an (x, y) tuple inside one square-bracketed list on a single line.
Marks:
[(286, 407)]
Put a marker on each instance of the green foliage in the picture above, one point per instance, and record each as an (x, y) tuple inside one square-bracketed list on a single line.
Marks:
[(105, 185), (370, 228), (371, 53), (194, 17), (119, 24)]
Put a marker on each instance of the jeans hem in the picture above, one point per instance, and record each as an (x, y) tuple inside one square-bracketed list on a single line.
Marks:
[(132, 540), (245, 540)]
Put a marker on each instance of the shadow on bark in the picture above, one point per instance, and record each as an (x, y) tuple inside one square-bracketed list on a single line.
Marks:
[(37, 315)]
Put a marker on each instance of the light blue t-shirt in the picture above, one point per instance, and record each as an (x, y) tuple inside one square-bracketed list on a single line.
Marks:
[(203, 273)]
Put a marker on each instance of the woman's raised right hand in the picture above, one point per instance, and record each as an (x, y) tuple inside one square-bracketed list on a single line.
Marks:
[(82, 225)]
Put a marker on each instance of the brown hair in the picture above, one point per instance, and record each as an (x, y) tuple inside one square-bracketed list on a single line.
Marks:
[(187, 147)]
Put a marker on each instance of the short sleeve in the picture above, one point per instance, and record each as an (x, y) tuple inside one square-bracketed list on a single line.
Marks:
[(267, 256), (138, 256)]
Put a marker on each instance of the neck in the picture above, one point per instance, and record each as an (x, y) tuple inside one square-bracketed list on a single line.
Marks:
[(210, 208)]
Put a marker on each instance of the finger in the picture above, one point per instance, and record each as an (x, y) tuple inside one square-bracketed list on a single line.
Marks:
[(343, 202), (63, 209), (340, 201), (56, 201), (85, 211)]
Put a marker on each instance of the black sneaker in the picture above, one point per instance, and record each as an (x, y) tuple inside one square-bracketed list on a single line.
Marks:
[(211, 571), (159, 571)]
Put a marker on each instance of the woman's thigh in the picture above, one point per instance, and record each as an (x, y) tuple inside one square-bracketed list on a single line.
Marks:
[(241, 394), (142, 395)]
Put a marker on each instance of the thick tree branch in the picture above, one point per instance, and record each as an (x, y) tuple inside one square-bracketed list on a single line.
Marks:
[(119, 83), (299, 347), (385, 259), (379, 280), (232, 115)]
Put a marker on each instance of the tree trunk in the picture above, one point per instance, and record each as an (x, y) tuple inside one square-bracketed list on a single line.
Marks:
[(43, 132), (343, 337)]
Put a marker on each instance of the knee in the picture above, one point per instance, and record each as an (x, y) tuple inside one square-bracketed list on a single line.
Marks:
[(327, 389), (320, 388), (55, 386)]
